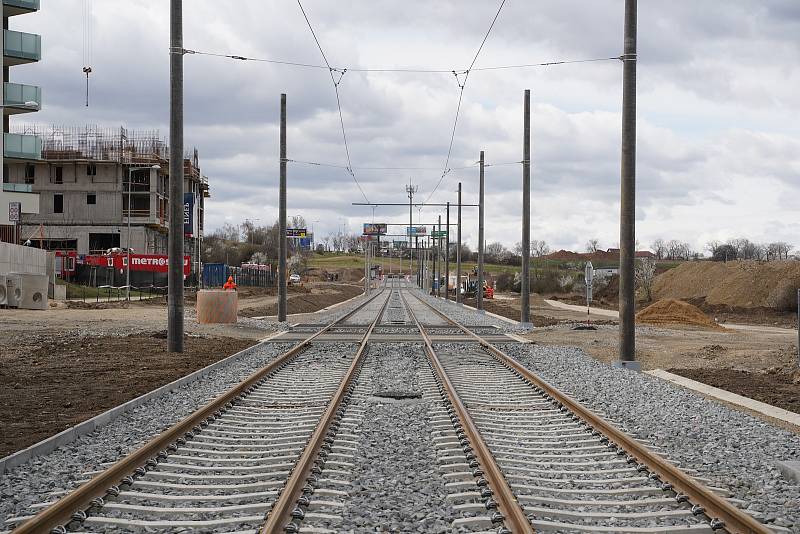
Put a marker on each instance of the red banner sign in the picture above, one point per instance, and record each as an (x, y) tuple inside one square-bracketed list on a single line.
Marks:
[(154, 263)]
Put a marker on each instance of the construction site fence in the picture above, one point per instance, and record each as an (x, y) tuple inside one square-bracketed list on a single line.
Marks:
[(216, 274)]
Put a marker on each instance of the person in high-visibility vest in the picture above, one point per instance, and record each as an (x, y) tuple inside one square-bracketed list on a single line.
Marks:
[(230, 285)]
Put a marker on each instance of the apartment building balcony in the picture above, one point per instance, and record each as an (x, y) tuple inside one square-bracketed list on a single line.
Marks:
[(20, 48), (22, 146), (19, 7), (18, 188), (19, 98)]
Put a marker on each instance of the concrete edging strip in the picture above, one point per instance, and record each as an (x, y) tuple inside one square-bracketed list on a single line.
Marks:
[(71, 434), (738, 400)]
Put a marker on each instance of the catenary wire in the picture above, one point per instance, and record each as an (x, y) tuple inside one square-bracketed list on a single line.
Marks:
[(336, 83), (409, 70), (446, 170)]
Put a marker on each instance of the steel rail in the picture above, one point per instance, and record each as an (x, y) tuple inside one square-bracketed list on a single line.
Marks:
[(514, 517), (282, 511), (722, 513), (63, 511)]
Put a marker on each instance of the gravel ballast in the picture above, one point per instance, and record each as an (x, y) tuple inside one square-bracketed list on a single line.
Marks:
[(396, 486), (33, 481), (734, 450)]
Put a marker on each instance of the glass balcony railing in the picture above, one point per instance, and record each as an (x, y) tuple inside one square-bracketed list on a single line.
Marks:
[(22, 146), (22, 96), (22, 46), (18, 188), (24, 5)]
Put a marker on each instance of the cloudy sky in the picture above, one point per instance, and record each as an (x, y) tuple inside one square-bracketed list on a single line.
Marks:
[(718, 137)]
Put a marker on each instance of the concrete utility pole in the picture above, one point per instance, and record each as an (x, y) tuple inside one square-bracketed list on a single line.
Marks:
[(175, 243), (458, 249), (627, 219), (447, 257), (282, 218), (411, 189), (525, 292), (439, 260), (479, 292)]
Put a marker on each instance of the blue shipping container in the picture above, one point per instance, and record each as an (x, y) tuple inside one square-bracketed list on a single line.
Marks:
[(214, 275)]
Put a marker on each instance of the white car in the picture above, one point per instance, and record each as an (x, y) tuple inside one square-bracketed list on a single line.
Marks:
[(294, 278)]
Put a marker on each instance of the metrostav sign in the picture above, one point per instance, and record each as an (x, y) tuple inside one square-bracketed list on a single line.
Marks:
[(154, 263)]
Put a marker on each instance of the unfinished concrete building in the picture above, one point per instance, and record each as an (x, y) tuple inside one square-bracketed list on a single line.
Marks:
[(95, 183)]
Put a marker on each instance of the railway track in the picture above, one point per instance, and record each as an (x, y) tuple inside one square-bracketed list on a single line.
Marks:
[(563, 466), (276, 452)]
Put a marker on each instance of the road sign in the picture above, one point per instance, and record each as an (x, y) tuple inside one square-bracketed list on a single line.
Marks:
[(14, 210), (588, 277), (439, 233), (296, 232), (416, 230), (374, 228)]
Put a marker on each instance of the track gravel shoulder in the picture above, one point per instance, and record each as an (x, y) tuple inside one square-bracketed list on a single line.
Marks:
[(734, 450), (33, 481)]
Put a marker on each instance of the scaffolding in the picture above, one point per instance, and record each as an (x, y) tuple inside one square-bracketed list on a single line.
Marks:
[(93, 143)]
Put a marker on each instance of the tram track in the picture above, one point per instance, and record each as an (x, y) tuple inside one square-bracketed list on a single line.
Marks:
[(271, 408), (567, 467), (277, 453)]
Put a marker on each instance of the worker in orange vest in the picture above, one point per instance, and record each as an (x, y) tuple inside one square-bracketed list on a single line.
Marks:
[(230, 285)]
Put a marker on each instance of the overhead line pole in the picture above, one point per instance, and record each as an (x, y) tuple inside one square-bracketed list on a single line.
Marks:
[(439, 260), (479, 291), (627, 222), (525, 294), (458, 249), (447, 257), (175, 239), (282, 217)]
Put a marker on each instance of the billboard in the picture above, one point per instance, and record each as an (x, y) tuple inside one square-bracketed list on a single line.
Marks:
[(296, 232), (155, 263), (374, 228), (188, 214), (416, 230)]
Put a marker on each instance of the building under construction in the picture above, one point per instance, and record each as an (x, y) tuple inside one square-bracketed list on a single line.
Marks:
[(105, 188)]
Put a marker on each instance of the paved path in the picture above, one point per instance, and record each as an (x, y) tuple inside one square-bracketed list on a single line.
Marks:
[(733, 326)]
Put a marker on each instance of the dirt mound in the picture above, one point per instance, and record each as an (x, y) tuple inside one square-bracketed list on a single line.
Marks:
[(740, 284), (672, 311), (564, 255)]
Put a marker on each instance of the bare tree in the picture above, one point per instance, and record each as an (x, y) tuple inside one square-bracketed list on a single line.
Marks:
[(645, 276), (539, 248), (659, 248), (593, 245)]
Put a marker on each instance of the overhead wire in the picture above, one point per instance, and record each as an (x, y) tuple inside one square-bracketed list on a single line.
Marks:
[(408, 70), (336, 83), (461, 85)]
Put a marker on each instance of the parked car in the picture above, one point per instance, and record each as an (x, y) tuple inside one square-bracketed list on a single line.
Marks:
[(294, 278)]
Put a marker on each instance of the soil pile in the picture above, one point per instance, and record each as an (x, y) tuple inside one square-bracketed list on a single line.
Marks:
[(739, 284), (672, 311)]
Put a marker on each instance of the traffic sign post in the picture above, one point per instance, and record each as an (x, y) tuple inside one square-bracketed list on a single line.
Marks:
[(588, 277), (14, 212)]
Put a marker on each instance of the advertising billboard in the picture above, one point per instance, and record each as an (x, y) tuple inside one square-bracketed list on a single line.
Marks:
[(374, 228), (188, 214), (414, 231)]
